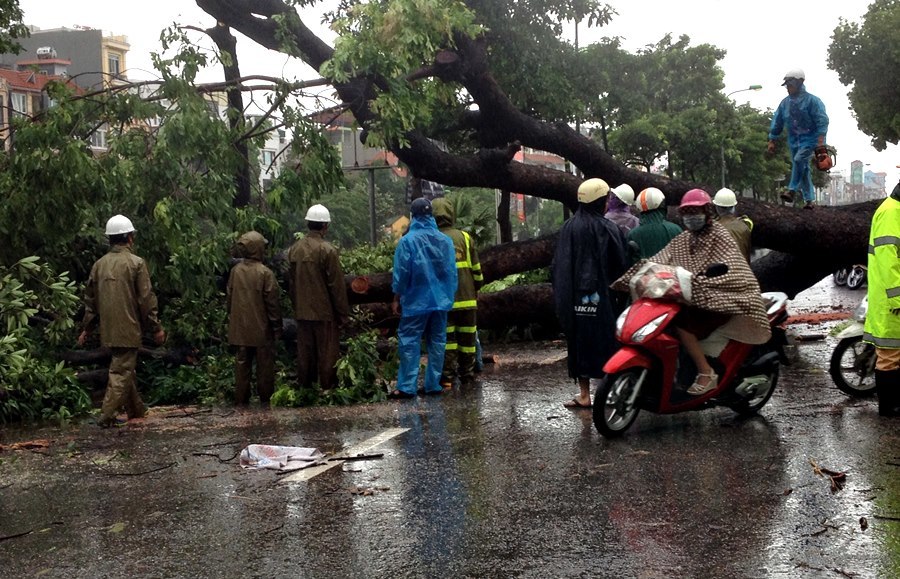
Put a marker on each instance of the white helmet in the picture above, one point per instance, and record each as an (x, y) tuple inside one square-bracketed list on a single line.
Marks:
[(625, 193), (794, 74), (318, 213), (592, 189), (725, 198), (649, 199), (118, 225)]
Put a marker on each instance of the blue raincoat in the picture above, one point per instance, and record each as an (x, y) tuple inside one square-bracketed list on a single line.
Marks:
[(424, 269), (806, 120), (425, 279)]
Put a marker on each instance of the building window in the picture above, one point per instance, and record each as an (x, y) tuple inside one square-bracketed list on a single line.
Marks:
[(98, 139), (19, 104), (113, 62)]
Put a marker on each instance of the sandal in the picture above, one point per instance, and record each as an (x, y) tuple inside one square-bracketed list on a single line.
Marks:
[(697, 388), (400, 395)]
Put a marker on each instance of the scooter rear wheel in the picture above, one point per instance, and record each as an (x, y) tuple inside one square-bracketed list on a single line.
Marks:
[(853, 367), (750, 406), (612, 413), (856, 278)]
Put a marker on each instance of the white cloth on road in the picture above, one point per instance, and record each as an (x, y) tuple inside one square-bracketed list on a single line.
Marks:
[(282, 458)]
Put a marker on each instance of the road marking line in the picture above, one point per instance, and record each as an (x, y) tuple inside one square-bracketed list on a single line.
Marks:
[(363, 447)]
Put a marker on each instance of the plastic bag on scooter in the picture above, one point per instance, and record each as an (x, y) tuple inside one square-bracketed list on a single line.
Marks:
[(661, 282)]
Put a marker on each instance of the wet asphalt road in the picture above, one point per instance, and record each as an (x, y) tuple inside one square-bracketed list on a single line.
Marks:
[(495, 481)]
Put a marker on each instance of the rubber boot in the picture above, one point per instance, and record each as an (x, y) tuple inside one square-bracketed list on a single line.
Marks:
[(887, 384)]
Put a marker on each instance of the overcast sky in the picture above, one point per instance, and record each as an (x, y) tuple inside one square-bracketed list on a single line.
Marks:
[(763, 40)]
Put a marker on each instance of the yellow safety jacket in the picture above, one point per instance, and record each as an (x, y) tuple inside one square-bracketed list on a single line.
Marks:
[(468, 267), (882, 326)]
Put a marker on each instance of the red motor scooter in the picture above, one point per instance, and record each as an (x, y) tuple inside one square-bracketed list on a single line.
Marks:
[(643, 373)]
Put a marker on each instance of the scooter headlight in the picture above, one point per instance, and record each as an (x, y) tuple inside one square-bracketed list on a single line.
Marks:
[(620, 322), (641, 335)]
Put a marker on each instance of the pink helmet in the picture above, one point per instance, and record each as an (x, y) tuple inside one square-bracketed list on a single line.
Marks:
[(695, 198)]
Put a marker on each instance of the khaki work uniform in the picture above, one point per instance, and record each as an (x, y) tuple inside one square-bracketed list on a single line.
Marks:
[(740, 228), (120, 296), (459, 358), (254, 317), (319, 298)]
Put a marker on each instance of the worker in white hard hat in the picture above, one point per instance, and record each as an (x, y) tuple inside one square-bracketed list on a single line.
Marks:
[(618, 208), (740, 227), (590, 254), (807, 125), (319, 297), (120, 299)]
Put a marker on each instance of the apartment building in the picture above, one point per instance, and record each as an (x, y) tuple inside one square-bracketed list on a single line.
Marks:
[(96, 60)]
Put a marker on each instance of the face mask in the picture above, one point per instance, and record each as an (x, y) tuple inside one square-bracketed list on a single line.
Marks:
[(694, 222)]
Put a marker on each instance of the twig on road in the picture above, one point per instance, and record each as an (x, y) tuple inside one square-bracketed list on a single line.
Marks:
[(170, 465), (219, 458), (186, 414), (837, 478)]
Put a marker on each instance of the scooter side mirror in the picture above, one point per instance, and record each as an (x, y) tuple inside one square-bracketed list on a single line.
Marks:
[(716, 270)]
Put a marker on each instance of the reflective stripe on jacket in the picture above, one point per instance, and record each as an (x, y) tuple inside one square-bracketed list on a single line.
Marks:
[(468, 266), (883, 327)]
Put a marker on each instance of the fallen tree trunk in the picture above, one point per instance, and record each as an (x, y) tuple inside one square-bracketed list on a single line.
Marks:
[(176, 356), (517, 306)]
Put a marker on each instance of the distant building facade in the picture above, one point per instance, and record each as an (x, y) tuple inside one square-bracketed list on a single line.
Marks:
[(95, 60)]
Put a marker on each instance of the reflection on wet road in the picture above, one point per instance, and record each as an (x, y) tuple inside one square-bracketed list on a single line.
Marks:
[(496, 481)]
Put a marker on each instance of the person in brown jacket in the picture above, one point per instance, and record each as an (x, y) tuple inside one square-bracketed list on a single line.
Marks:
[(740, 227), (119, 296), (320, 301), (254, 319)]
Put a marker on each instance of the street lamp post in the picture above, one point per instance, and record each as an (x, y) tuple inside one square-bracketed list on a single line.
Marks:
[(722, 148)]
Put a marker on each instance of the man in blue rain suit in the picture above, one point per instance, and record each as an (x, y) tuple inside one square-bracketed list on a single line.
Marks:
[(424, 284), (807, 124)]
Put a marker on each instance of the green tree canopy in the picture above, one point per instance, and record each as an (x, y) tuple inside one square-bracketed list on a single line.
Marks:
[(867, 59)]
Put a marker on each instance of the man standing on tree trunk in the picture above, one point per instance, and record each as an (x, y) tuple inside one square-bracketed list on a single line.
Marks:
[(883, 317), (119, 295), (807, 125), (589, 255), (320, 302)]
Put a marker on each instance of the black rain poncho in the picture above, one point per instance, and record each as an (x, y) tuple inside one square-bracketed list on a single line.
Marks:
[(590, 254)]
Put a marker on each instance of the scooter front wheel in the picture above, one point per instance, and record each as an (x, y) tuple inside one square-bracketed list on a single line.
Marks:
[(853, 367), (613, 414)]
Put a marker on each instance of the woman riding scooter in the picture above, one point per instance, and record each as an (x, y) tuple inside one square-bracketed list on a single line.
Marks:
[(729, 302)]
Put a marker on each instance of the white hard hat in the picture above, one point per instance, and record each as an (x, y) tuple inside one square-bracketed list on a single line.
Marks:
[(649, 199), (725, 197), (118, 225), (625, 193), (592, 189), (794, 73), (318, 213)]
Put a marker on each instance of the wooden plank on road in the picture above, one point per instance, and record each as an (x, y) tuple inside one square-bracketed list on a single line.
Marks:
[(363, 447)]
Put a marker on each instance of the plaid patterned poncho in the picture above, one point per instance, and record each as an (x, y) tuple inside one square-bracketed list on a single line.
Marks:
[(735, 293)]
